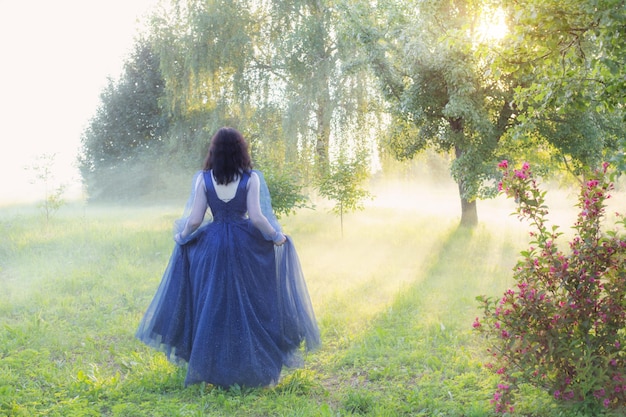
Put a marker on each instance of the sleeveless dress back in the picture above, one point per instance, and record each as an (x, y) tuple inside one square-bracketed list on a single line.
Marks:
[(230, 304)]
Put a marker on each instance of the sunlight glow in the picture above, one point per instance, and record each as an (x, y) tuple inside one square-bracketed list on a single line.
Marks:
[(492, 26)]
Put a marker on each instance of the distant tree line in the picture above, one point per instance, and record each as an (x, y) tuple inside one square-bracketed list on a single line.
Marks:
[(310, 82)]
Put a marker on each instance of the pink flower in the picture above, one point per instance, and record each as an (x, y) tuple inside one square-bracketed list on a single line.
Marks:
[(525, 167), (496, 397), (503, 164), (476, 323)]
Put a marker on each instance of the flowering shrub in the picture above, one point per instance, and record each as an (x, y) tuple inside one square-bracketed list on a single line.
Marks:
[(562, 326)]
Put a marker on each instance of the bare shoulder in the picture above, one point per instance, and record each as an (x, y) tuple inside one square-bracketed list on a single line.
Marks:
[(200, 181), (254, 179)]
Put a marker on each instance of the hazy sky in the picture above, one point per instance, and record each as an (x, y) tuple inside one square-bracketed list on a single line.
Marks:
[(55, 60)]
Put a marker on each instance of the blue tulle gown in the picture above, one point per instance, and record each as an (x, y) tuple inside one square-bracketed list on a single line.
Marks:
[(231, 305)]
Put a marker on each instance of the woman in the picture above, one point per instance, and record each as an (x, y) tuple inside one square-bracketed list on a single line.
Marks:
[(232, 303)]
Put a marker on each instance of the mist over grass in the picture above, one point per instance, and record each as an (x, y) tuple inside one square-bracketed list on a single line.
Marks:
[(395, 299)]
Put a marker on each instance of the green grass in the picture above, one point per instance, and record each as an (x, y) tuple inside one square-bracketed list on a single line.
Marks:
[(395, 300)]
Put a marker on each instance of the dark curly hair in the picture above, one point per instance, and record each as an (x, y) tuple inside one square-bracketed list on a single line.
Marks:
[(228, 155)]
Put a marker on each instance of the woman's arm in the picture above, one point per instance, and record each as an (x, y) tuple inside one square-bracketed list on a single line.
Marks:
[(254, 211), (198, 209)]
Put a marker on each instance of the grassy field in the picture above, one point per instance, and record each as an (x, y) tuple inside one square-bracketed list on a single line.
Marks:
[(394, 298)]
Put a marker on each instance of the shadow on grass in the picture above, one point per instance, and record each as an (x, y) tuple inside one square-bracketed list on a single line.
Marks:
[(419, 357)]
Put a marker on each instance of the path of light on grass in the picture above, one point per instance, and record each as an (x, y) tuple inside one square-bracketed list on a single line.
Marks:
[(406, 237)]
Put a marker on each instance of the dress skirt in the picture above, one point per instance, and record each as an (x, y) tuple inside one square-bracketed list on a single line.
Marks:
[(232, 306)]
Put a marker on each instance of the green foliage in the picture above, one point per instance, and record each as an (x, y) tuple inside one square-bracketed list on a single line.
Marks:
[(566, 55), (286, 191), (128, 125), (326, 87), (280, 70), (284, 180), (205, 49), (577, 43), (562, 327), (342, 183)]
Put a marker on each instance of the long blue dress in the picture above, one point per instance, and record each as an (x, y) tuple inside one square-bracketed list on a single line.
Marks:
[(231, 305)]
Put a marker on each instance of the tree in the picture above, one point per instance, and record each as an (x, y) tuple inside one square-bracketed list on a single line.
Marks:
[(342, 184), (128, 124), (325, 86), (43, 171), (205, 49), (434, 67)]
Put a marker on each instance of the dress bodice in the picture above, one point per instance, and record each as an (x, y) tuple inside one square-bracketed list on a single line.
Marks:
[(232, 210)]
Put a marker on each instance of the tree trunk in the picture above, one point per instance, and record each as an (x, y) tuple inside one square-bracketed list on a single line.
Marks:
[(323, 114), (321, 151), (469, 212)]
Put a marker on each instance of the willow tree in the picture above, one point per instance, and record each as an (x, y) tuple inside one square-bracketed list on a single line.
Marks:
[(282, 71), (433, 64), (206, 50), (324, 90)]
